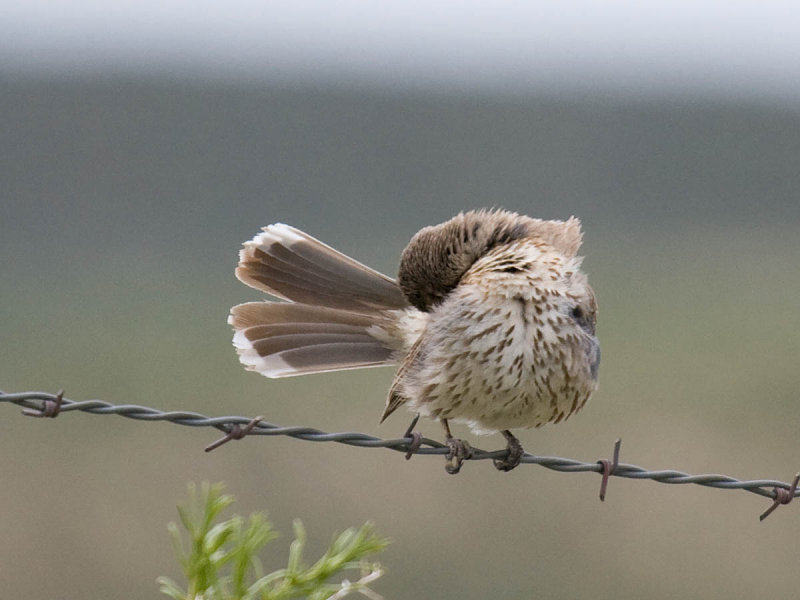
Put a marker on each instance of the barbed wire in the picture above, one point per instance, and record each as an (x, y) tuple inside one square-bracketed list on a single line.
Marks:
[(43, 404)]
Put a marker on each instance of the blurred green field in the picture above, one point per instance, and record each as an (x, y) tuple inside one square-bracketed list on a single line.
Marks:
[(124, 206)]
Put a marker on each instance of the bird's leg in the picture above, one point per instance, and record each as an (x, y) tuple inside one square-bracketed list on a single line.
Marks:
[(459, 450), (416, 437), (514, 455)]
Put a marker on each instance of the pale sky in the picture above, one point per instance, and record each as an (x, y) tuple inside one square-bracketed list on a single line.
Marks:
[(719, 47)]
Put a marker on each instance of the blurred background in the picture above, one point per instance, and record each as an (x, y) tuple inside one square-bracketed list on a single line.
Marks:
[(142, 142)]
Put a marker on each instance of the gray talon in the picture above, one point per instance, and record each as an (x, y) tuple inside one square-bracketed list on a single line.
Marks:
[(460, 450), (514, 455), (416, 442)]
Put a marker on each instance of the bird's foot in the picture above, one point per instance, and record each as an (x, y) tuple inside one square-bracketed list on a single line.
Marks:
[(514, 455), (416, 438), (460, 450), (414, 444)]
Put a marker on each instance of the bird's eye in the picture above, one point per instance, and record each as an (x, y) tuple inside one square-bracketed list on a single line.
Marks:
[(583, 319)]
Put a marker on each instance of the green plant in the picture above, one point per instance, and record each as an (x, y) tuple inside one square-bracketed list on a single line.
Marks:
[(221, 561)]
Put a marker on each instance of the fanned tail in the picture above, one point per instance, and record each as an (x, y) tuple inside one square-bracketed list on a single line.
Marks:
[(337, 312)]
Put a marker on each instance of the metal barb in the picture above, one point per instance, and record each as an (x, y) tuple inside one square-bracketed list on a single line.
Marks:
[(782, 496), (609, 467), (234, 432), (50, 407)]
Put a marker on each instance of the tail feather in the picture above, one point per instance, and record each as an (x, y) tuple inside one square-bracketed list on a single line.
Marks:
[(335, 317), (279, 339), (287, 263)]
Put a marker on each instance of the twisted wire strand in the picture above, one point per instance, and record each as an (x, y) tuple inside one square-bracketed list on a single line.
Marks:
[(41, 404)]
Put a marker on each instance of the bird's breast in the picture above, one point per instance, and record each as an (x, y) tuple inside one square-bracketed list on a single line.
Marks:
[(499, 357)]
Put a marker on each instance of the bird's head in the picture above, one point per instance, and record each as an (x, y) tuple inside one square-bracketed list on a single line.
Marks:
[(437, 257)]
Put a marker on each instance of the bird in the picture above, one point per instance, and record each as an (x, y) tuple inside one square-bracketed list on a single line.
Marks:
[(490, 322)]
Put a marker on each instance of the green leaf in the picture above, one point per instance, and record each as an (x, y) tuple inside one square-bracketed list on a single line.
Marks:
[(222, 561)]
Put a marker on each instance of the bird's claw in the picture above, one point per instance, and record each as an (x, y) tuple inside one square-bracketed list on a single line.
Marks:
[(413, 446), (460, 450), (513, 457)]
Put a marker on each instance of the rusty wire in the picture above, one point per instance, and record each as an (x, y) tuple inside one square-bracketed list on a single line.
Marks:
[(43, 404)]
